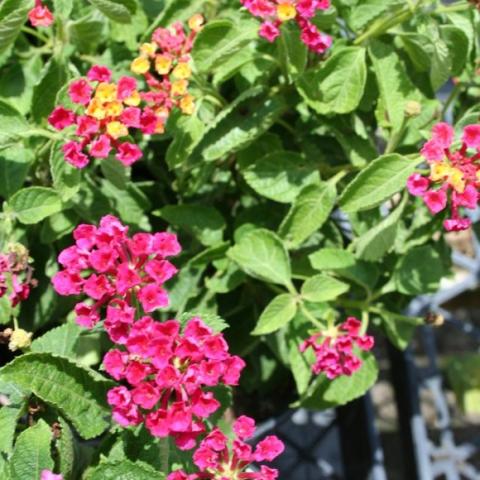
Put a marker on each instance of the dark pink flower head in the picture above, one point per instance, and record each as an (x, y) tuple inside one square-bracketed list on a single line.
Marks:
[(128, 153), (273, 13), (115, 271), (436, 200), (417, 185), (443, 134), (215, 459), (16, 274), (80, 91), (74, 155), (61, 118), (40, 15), (99, 73), (168, 372), (334, 349), (471, 136)]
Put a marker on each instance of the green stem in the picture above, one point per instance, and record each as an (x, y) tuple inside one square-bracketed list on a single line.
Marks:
[(454, 7), (42, 132), (365, 321), (35, 33), (310, 316)]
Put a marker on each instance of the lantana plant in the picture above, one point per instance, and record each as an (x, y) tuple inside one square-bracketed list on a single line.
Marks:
[(216, 211)]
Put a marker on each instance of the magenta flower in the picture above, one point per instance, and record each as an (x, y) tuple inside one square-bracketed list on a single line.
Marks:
[(216, 460), (168, 373), (334, 349), (454, 174), (275, 12), (115, 271), (40, 15)]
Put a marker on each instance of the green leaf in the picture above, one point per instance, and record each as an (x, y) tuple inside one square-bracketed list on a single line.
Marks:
[(87, 32), (337, 85), (419, 271), (324, 393), (374, 244), (9, 416), (77, 392), (292, 50), (66, 178), (308, 213), (236, 127), (120, 11), (331, 259), (115, 172), (45, 92), (441, 66), (187, 133), (5, 310), (13, 15), (418, 49), (33, 204), (13, 124), (399, 328), (393, 83), (60, 340), (204, 223), (279, 175), (261, 254), (66, 449), (124, 470), (277, 314), (457, 43), (176, 10), (322, 288), (297, 332), (377, 182), (14, 165), (63, 8), (220, 39), (463, 374), (368, 10), (32, 453)]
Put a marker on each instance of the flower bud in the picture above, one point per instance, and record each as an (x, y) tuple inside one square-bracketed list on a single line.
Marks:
[(434, 319), (19, 340), (413, 108)]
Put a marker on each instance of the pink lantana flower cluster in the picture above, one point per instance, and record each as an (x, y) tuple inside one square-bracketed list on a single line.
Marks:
[(454, 176), (170, 375), (216, 459), (165, 63), (334, 349), (105, 115), (16, 274), (40, 15), (115, 272), (275, 12)]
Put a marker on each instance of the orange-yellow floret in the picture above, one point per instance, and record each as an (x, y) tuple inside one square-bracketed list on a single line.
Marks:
[(286, 11), (187, 104), (140, 65), (117, 129), (163, 64), (182, 71)]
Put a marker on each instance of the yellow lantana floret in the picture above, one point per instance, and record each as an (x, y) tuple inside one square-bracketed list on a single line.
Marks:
[(439, 171), (117, 129), (187, 104), (148, 49), (182, 71), (196, 22), (106, 92), (179, 88), (456, 180), (286, 11), (96, 109), (113, 109), (133, 100), (163, 64), (140, 65)]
